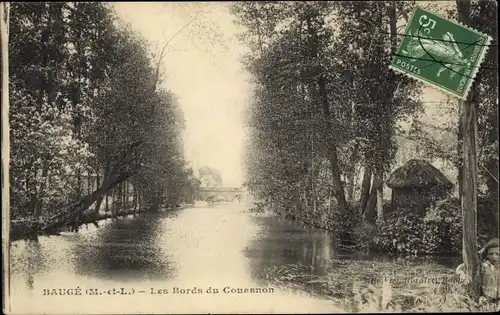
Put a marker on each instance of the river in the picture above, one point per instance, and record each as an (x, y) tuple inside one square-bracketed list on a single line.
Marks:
[(167, 262)]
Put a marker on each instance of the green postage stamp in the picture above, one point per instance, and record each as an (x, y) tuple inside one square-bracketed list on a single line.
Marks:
[(440, 52)]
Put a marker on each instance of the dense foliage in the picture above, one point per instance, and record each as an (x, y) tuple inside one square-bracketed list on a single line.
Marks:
[(319, 118), (324, 123), (87, 124)]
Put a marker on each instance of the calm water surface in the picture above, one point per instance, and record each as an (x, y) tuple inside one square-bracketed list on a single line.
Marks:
[(220, 246)]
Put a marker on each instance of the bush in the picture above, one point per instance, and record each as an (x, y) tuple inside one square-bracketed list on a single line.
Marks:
[(438, 232), (443, 227), (400, 233), (444, 224), (258, 207), (364, 235), (346, 226)]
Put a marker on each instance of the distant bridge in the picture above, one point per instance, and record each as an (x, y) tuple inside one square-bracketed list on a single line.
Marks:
[(221, 193)]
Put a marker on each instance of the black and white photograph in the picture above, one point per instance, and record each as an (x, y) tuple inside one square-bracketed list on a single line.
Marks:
[(250, 157)]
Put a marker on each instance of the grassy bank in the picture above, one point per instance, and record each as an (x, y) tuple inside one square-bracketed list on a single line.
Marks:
[(365, 286)]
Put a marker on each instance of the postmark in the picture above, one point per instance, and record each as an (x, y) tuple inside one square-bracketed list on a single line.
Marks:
[(440, 52)]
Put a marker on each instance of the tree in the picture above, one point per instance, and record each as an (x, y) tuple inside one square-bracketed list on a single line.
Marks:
[(83, 106), (4, 39), (469, 174), (483, 15), (210, 177), (319, 112), (191, 186), (50, 94), (381, 97), (287, 65)]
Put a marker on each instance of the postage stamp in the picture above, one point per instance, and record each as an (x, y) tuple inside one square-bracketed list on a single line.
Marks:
[(440, 52)]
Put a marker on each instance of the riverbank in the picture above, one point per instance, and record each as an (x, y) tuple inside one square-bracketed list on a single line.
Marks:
[(31, 229), (402, 233), (367, 286)]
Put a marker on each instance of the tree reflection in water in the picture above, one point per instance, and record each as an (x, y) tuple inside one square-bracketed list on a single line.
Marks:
[(282, 242), (126, 248)]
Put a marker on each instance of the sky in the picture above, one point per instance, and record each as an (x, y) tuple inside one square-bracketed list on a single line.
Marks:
[(202, 68)]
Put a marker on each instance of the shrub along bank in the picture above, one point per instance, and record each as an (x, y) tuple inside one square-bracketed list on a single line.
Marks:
[(439, 232)]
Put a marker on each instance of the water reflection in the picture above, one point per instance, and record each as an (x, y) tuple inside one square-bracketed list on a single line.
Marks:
[(34, 256), (281, 242), (214, 246), (125, 248)]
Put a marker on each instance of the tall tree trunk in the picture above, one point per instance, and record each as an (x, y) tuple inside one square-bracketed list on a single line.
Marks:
[(134, 195), (79, 184), (384, 133), (102, 196), (34, 193), (312, 183), (115, 200), (379, 176), (127, 194), (123, 192), (469, 193), (118, 198), (391, 12), (139, 196), (351, 169), (4, 39), (365, 188), (43, 188), (123, 189), (98, 204), (323, 100), (332, 148), (351, 175), (380, 203), (350, 185), (107, 201), (99, 201), (460, 139), (87, 179), (371, 207), (469, 175)]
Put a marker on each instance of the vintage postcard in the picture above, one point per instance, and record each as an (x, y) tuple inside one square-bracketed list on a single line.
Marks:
[(249, 157)]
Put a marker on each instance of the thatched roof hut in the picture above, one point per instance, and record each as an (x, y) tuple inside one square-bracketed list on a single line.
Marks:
[(417, 174), (416, 185)]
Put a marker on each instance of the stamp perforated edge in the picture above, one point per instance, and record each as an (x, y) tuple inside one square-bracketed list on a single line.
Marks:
[(480, 59)]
